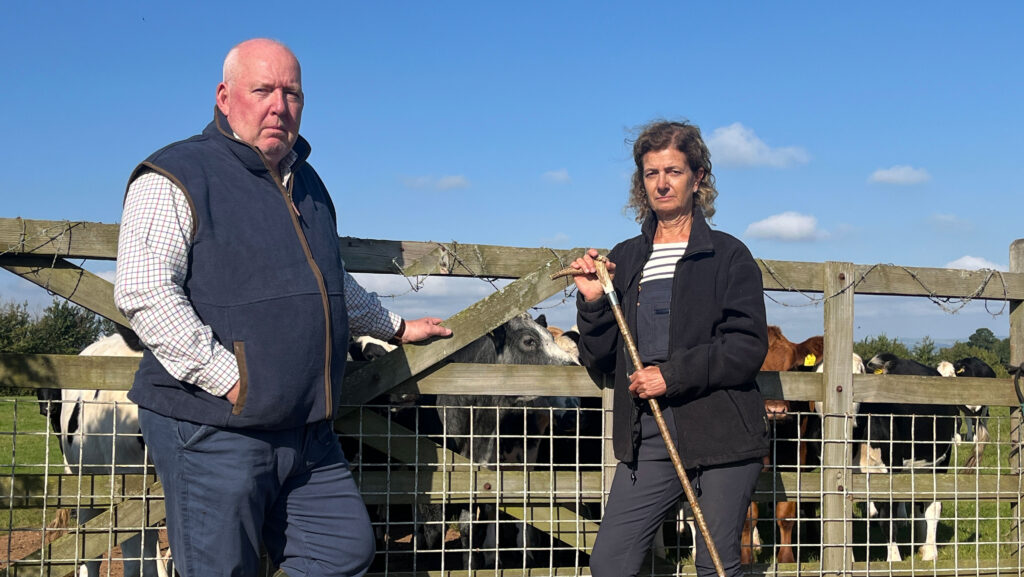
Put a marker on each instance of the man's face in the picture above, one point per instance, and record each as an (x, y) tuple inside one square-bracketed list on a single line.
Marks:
[(263, 99)]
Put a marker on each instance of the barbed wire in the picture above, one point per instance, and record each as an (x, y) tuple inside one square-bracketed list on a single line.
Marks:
[(939, 301), (450, 259), (567, 293), (23, 238), (60, 241), (449, 255)]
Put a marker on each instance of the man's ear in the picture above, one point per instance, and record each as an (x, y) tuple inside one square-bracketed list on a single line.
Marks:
[(222, 98)]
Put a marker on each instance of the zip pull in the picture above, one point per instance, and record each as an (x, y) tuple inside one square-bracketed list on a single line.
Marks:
[(291, 201)]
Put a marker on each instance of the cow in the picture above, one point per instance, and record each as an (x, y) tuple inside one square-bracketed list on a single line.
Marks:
[(906, 437), (494, 431), (975, 417), (99, 435), (793, 429)]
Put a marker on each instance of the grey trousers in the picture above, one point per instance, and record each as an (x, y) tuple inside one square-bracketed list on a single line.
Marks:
[(641, 498)]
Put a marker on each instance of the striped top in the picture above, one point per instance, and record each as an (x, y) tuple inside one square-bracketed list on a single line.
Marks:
[(662, 262)]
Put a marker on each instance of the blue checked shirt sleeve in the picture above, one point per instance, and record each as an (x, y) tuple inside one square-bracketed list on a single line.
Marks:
[(366, 316), (152, 262)]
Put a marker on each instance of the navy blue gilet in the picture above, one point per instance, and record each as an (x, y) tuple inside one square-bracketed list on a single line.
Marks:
[(266, 277)]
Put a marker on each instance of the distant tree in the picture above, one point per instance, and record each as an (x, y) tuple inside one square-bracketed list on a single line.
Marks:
[(924, 352), (64, 329), (1003, 350), (15, 326), (871, 346), (983, 339)]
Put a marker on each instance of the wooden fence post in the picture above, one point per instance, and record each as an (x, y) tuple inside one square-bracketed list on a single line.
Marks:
[(1016, 357), (608, 461), (837, 426)]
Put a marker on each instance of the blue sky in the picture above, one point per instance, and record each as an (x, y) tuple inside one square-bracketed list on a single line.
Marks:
[(872, 132)]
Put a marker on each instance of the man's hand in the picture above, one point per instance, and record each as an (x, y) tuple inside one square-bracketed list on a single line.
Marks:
[(422, 329), (233, 393)]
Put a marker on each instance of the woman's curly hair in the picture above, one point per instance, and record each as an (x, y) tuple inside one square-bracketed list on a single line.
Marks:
[(684, 137)]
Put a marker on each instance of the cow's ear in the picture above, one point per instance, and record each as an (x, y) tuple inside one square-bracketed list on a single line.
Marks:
[(499, 335)]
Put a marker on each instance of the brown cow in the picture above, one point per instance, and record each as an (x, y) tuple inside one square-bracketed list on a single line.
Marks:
[(784, 355)]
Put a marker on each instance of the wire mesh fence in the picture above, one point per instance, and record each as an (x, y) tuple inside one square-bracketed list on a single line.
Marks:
[(515, 485)]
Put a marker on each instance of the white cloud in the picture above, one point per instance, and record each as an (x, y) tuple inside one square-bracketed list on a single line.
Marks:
[(969, 262), (442, 183), (560, 239), (560, 176), (788, 226), (950, 223), (900, 174), (737, 145), (452, 182)]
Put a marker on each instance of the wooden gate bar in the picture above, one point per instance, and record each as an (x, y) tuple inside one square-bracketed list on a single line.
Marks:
[(837, 428)]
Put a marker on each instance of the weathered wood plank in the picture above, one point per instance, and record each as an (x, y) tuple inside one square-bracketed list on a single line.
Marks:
[(562, 524), (47, 238), (395, 440), (67, 371), (55, 490), (879, 487), (69, 281), (837, 394), (117, 373), (512, 380), (888, 279), (790, 386), (437, 484), (933, 390), (63, 553), (424, 485), (1016, 456), (71, 239), (447, 258)]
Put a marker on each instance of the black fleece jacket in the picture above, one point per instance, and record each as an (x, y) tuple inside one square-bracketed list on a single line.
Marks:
[(718, 339)]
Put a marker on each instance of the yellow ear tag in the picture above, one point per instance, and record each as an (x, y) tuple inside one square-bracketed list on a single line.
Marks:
[(879, 371), (961, 371), (810, 360)]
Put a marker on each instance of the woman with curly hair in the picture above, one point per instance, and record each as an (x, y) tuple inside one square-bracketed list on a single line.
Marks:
[(692, 296)]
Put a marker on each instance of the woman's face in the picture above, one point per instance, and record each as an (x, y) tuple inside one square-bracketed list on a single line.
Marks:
[(670, 183)]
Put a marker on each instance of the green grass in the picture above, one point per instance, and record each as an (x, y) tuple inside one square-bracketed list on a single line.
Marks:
[(26, 448)]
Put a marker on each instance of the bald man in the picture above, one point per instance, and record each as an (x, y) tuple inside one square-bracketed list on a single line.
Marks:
[(229, 271)]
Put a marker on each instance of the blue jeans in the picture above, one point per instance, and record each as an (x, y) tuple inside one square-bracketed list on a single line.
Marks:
[(228, 490)]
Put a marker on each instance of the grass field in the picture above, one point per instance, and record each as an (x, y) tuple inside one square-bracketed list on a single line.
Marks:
[(26, 447)]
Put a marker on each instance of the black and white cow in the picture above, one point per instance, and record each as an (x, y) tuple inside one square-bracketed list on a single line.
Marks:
[(99, 435), (495, 431), (901, 437), (975, 417)]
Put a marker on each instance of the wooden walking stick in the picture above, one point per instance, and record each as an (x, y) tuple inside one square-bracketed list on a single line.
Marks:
[(634, 355)]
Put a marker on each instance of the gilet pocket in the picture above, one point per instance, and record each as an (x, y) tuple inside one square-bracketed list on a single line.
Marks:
[(243, 378)]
